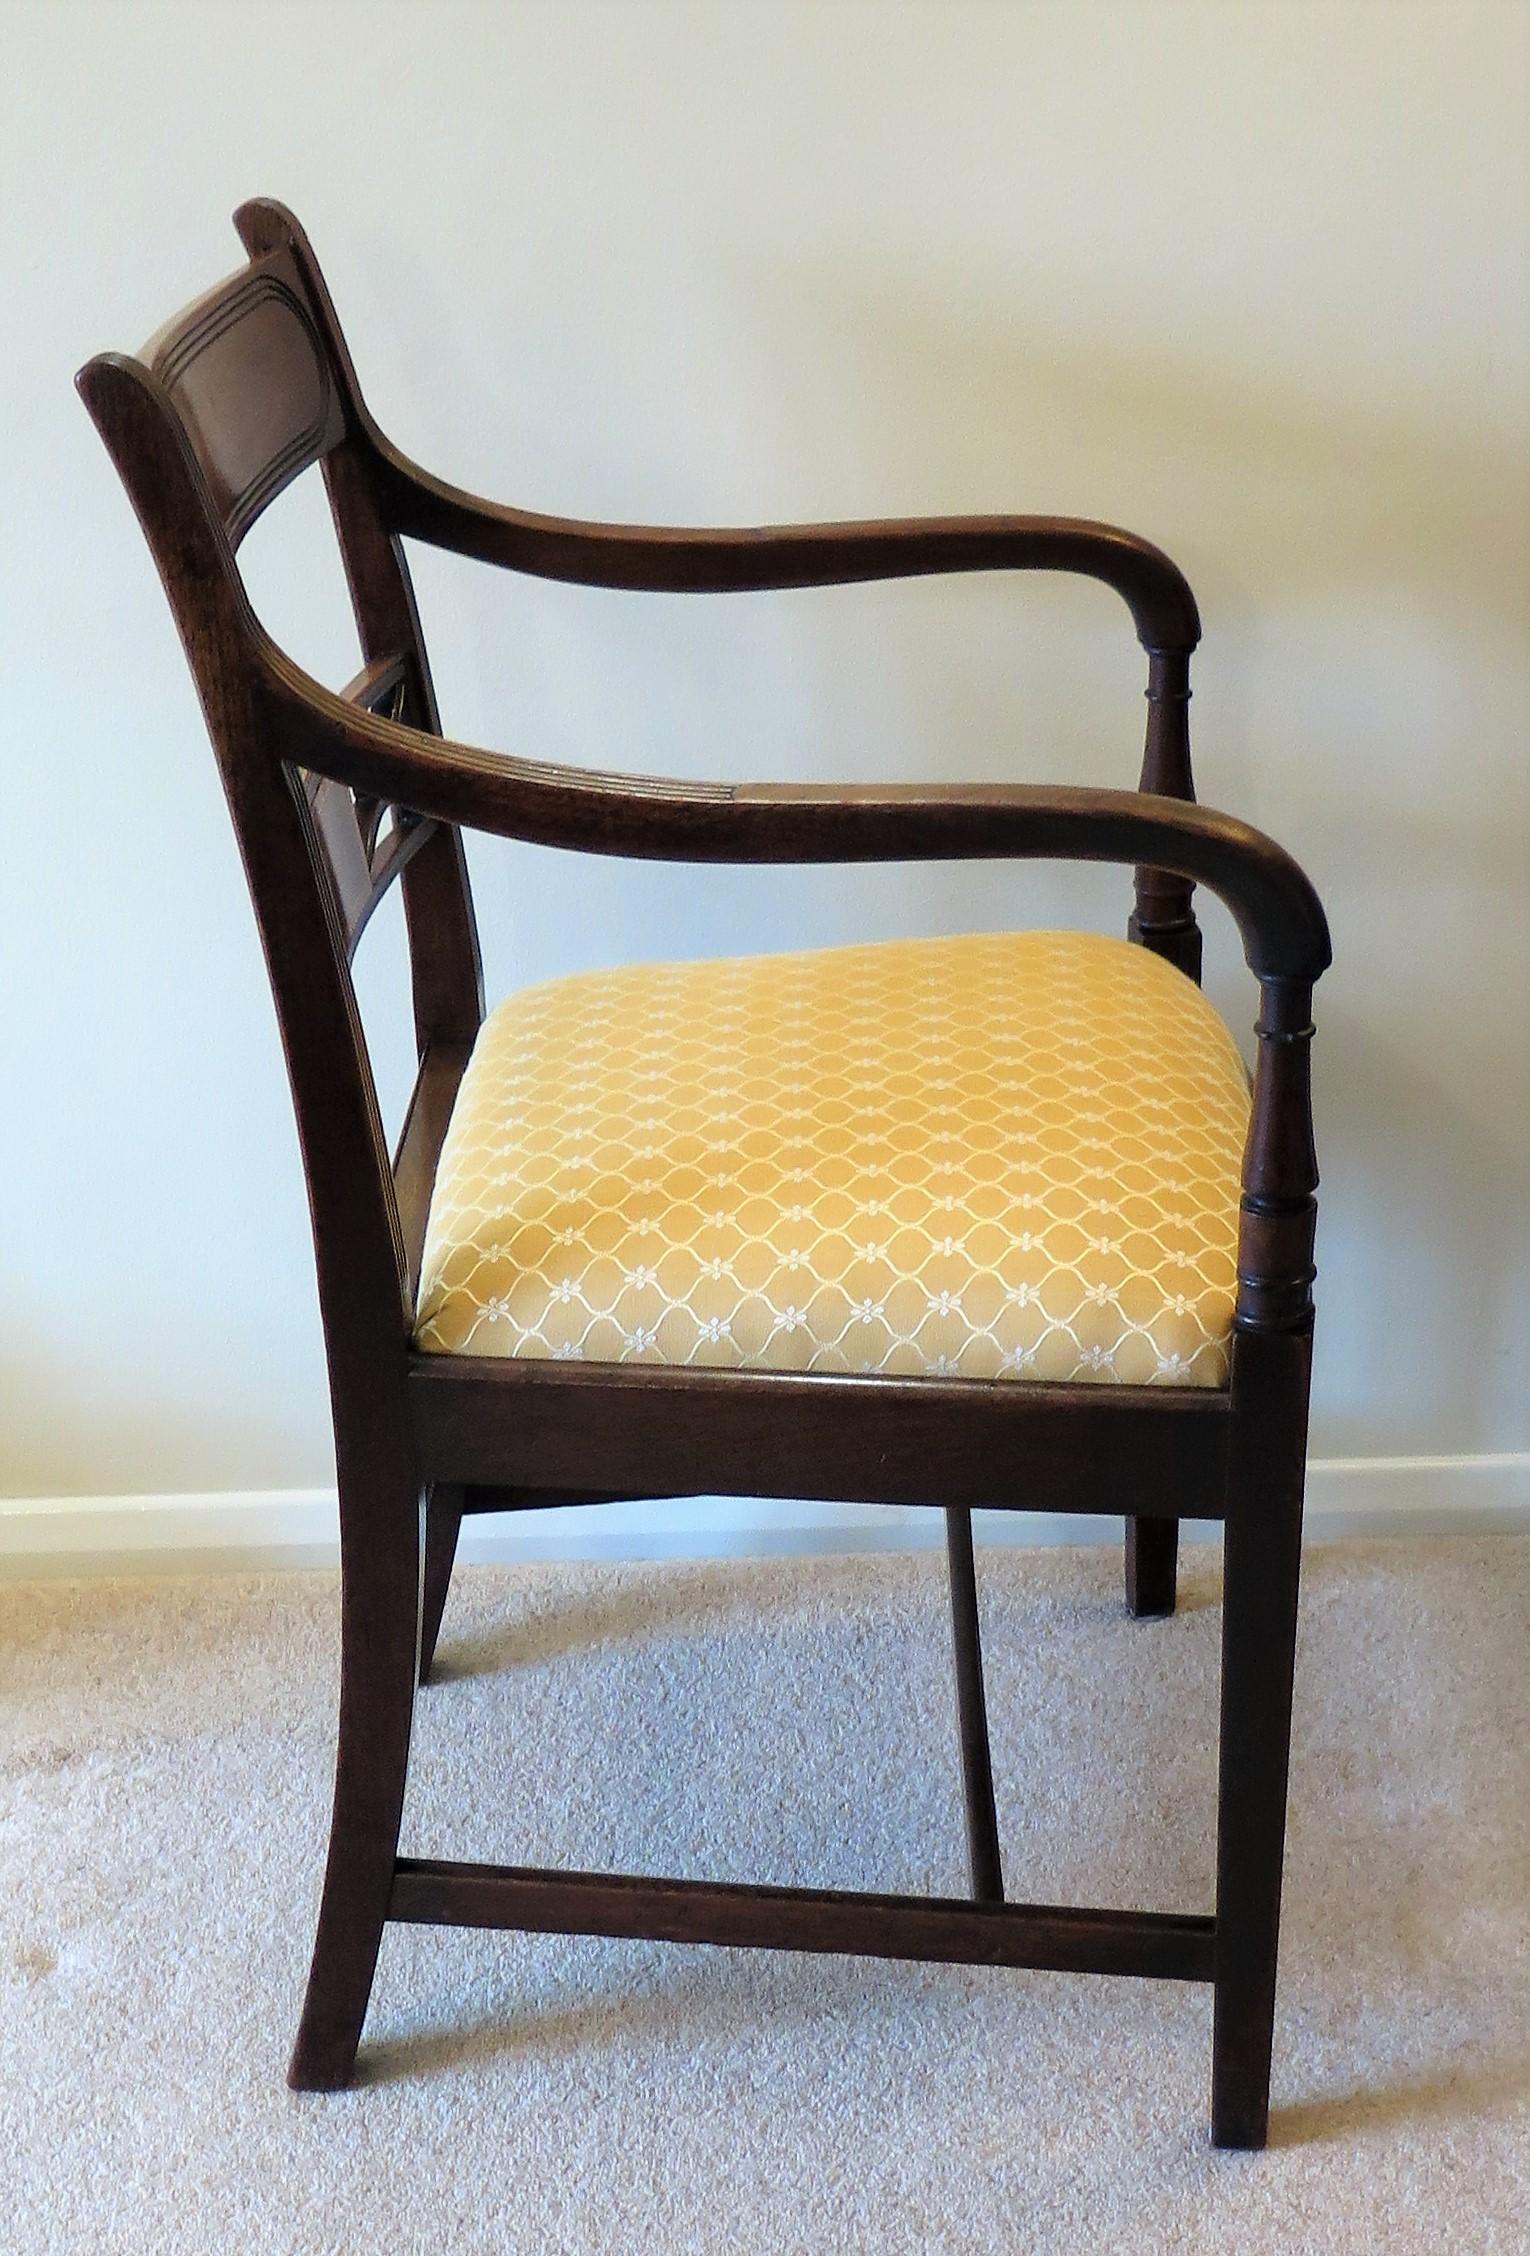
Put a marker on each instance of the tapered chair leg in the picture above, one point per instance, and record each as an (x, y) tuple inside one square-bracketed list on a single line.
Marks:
[(1152, 1563), (983, 1860), (379, 1653), (443, 1522), (1259, 1609)]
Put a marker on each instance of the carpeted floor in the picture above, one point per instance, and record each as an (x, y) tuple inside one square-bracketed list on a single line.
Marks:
[(164, 1752)]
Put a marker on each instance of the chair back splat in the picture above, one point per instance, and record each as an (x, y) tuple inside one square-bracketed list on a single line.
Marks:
[(1169, 1382)]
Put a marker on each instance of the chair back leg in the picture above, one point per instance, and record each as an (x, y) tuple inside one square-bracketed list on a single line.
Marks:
[(983, 1861), (443, 1522), (1152, 1565), (381, 1537)]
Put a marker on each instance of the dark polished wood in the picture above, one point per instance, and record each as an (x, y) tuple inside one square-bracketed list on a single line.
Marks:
[(442, 1065), (337, 796), (596, 1426), (1164, 916), (1163, 921), (985, 1865), (1173, 1946), (700, 561), (1261, 1572), (443, 1523), (659, 818), (1272, 1354), (1152, 1558), (251, 385)]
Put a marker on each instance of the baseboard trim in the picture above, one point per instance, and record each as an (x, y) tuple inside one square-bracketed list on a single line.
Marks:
[(266, 1529)]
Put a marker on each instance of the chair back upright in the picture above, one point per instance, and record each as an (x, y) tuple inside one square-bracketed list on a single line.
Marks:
[(225, 407)]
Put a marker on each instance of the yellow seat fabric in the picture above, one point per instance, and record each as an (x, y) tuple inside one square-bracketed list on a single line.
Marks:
[(1010, 1156)]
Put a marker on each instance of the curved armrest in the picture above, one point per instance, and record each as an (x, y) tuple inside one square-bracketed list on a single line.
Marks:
[(427, 508), (663, 819), (784, 556)]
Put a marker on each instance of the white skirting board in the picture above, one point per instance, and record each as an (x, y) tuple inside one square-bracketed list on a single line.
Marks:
[(262, 1529)]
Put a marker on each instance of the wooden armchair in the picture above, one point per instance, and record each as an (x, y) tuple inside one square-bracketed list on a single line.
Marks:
[(981, 1223)]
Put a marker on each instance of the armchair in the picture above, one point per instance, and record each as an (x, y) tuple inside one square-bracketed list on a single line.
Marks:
[(623, 1320)]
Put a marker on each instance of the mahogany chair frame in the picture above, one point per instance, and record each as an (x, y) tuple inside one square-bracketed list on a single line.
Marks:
[(334, 797)]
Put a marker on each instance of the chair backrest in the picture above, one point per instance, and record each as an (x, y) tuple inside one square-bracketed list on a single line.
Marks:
[(229, 403)]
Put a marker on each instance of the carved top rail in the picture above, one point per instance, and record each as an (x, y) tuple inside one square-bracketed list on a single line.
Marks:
[(248, 376)]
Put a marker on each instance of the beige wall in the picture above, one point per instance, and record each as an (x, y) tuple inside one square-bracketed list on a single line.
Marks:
[(1247, 277)]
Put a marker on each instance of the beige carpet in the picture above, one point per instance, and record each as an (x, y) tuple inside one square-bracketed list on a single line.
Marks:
[(163, 1787)]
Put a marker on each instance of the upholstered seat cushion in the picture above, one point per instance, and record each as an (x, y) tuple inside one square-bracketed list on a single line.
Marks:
[(1012, 1156)]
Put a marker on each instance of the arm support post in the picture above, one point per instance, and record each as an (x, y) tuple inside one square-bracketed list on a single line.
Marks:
[(1280, 1176), (1164, 917)]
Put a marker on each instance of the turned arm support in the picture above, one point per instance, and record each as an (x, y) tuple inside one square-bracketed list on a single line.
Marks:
[(1278, 1221)]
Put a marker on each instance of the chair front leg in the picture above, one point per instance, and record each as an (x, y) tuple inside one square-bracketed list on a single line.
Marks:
[(1261, 1576), (380, 1544)]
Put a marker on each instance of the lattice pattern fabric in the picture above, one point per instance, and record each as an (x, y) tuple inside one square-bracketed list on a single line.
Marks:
[(1010, 1156)]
